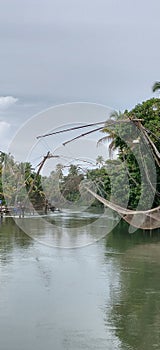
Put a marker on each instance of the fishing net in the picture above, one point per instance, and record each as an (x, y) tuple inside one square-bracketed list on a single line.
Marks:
[(144, 219)]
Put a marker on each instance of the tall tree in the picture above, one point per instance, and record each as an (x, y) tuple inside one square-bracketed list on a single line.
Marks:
[(110, 129), (126, 137)]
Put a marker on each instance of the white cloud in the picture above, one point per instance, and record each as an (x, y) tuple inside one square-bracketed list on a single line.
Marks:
[(7, 101)]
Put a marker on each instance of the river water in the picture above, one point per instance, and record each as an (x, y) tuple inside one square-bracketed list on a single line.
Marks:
[(103, 295)]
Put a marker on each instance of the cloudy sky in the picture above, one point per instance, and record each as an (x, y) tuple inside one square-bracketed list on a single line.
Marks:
[(57, 51)]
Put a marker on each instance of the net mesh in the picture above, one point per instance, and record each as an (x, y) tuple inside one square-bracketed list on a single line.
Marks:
[(146, 220)]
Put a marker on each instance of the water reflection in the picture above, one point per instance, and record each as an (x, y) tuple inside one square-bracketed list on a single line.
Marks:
[(135, 295), (11, 238), (68, 229), (104, 296)]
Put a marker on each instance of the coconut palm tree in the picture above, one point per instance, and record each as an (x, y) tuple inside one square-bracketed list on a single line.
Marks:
[(110, 130)]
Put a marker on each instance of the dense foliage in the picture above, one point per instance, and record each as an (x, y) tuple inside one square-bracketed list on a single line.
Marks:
[(135, 157), (119, 180), (16, 180)]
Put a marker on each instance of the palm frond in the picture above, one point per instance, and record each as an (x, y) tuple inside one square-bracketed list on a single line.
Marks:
[(156, 86), (104, 139), (111, 148)]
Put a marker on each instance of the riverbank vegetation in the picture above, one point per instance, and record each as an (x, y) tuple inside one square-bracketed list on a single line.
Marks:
[(119, 178)]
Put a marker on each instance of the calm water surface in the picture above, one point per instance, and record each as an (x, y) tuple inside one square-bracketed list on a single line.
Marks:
[(102, 296)]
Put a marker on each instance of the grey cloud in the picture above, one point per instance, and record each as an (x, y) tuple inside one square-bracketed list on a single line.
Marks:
[(101, 51)]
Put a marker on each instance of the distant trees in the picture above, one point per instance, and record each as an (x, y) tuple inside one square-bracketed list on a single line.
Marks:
[(16, 179), (70, 184), (124, 132)]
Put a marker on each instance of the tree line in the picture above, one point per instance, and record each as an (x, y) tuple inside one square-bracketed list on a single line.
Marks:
[(118, 178)]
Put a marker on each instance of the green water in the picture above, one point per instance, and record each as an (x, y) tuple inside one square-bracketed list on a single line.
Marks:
[(105, 295)]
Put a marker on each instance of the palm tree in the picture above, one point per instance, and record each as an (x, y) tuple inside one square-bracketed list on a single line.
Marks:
[(156, 86), (100, 161), (110, 130)]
